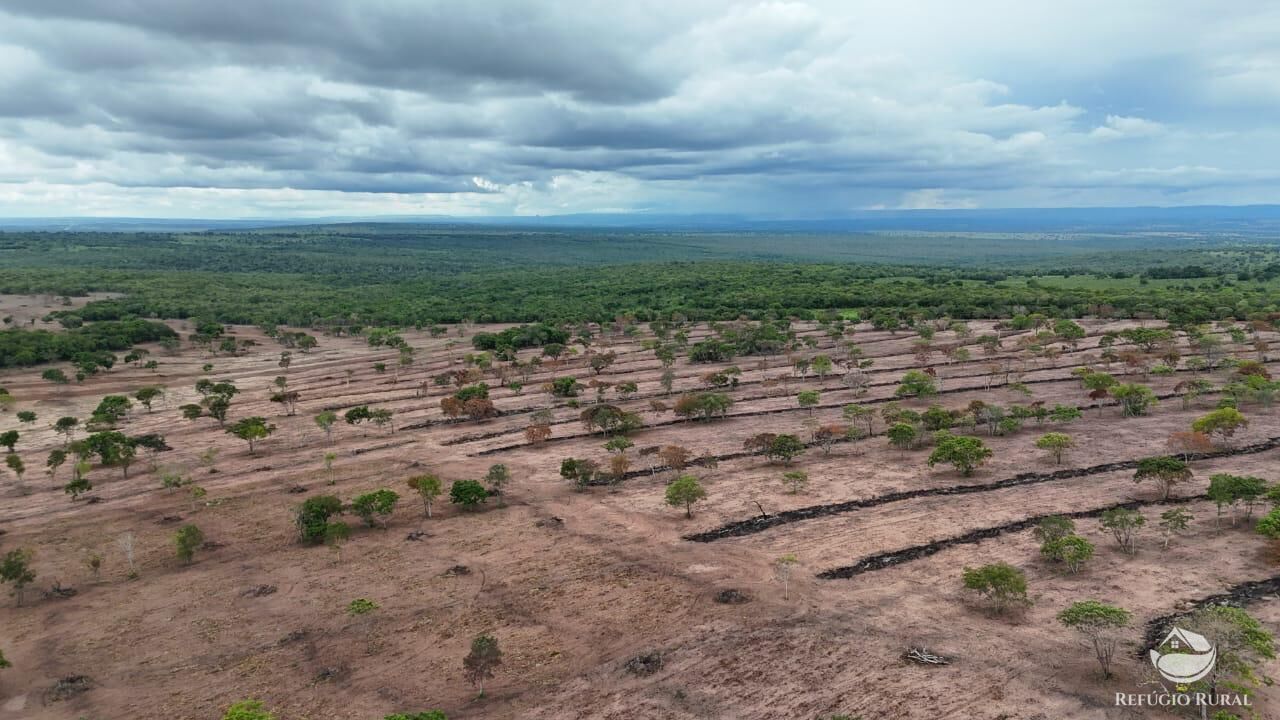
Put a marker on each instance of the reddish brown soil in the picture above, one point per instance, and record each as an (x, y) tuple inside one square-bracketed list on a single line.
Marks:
[(571, 604)]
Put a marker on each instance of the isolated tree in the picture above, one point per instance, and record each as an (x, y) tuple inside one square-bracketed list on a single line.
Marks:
[(325, 421), (1100, 624), (1056, 444), (1221, 423), (808, 399), (468, 494), (1071, 550), (148, 395), (66, 426), (497, 477), (480, 663), (1123, 524), (537, 432), (55, 376), (3, 662), (1174, 522), (187, 540), (580, 472), (313, 515), (782, 568), (675, 457), (111, 409), (15, 568), (57, 457), (289, 399), (428, 488), (9, 438), (902, 435), (1053, 528), (860, 413), (251, 430), (26, 417), (1189, 443), (785, 448), (1001, 584), (684, 492), (1134, 399), (375, 507), (961, 451), (916, 383), (795, 480), (1164, 471), (16, 465)]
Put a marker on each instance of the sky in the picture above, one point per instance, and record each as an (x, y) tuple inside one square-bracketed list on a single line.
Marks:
[(312, 108)]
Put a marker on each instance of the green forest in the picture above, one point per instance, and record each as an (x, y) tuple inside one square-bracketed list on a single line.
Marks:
[(410, 275)]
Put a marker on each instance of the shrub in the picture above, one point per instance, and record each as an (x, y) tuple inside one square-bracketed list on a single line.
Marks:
[(467, 493), (248, 710), (1003, 585), (375, 507), (187, 540), (313, 516), (361, 606)]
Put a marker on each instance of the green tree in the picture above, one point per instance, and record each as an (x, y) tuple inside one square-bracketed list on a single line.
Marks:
[(148, 395), (497, 477), (428, 488), (26, 417), (1174, 522), (375, 507), (1071, 550), (1123, 524), (1056, 444), (902, 435), (479, 664), (1001, 584), (1101, 624), (1164, 471), (9, 438), (15, 464), (251, 430), (1053, 528), (469, 494), (684, 492), (795, 480), (916, 383), (187, 540), (112, 409), (55, 376), (785, 448), (1134, 399), (1269, 525), (312, 517), (808, 399), (1221, 423), (961, 451), (325, 421), (15, 568)]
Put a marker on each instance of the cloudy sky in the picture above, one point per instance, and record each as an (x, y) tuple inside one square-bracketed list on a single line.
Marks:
[(193, 108)]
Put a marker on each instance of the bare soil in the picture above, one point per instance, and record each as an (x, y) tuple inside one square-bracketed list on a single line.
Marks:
[(585, 589)]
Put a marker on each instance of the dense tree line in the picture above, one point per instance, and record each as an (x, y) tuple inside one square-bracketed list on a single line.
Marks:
[(20, 348)]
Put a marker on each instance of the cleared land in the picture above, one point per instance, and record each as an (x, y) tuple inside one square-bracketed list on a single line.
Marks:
[(576, 583)]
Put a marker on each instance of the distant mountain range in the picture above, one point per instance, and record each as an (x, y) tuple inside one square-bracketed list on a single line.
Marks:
[(1249, 219)]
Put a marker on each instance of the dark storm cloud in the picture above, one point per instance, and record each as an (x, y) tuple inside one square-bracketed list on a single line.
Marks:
[(797, 108)]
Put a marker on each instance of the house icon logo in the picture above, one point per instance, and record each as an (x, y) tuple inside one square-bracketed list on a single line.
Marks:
[(1184, 657)]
